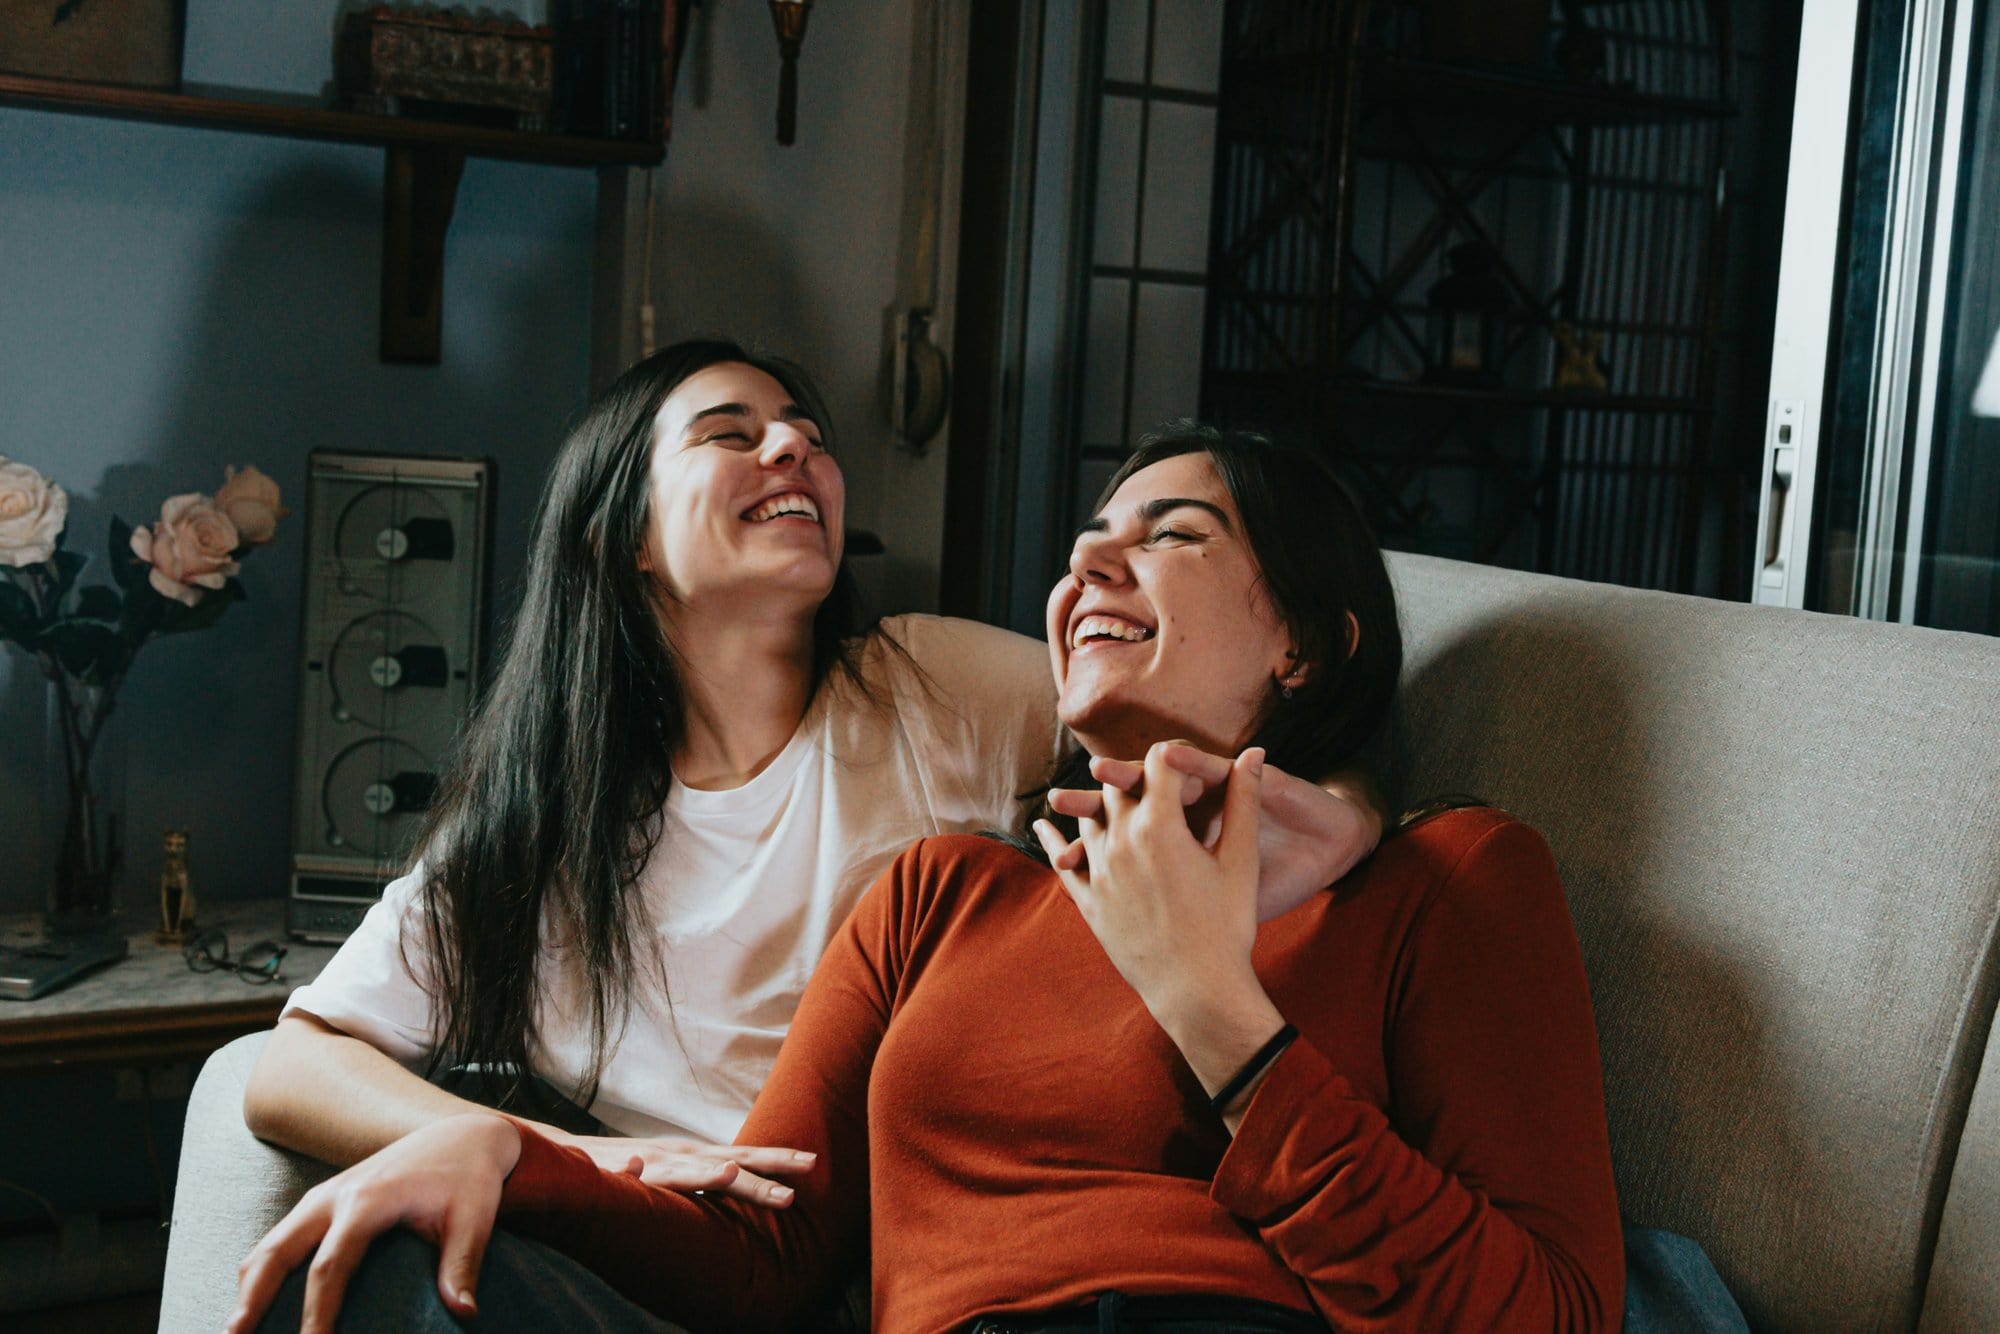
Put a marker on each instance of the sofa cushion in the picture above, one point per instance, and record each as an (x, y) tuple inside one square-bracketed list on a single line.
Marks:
[(1777, 831)]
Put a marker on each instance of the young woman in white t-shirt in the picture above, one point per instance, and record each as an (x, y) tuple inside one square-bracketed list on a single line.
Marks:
[(682, 778)]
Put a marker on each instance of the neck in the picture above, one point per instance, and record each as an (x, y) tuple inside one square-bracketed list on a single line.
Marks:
[(1130, 737), (748, 684)]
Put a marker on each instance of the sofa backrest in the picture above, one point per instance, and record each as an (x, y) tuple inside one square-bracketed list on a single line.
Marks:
[(1780, 837)]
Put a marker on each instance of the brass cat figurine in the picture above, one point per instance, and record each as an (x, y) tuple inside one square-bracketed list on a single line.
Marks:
[(176, 890)]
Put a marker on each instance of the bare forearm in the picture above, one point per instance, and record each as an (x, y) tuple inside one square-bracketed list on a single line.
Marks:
[(1219, 1030), (335, 1097)]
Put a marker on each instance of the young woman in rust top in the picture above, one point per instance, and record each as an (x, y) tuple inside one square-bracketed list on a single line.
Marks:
[(1091, 1089)]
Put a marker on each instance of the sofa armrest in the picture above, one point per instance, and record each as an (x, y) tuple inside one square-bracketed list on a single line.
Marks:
[(231, 1189), (1963, 1291)]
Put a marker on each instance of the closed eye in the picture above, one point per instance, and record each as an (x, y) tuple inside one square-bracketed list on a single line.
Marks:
[(1173, 535)]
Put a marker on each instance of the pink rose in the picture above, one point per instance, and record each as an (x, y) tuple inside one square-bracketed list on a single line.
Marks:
[(250, 499), (189, 548), (32, 512)]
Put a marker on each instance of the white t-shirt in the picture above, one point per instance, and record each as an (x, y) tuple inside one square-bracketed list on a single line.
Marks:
[(746, 886)]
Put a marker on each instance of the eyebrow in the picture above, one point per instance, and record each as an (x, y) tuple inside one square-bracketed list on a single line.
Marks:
[(790, 412), (1159, 509)]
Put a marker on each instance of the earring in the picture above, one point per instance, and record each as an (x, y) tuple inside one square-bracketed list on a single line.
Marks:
[(1285, 691)]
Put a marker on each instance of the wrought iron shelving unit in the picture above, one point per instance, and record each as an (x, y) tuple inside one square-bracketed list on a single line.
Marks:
[(1350, 158)]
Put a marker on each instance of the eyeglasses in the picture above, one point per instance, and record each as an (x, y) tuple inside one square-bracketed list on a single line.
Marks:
[(210, 951)]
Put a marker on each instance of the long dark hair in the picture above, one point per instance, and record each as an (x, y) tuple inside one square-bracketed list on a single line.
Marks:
[(551, 806), (1320, 565)]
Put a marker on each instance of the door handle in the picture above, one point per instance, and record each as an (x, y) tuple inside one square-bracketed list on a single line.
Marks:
[(1781, 457)]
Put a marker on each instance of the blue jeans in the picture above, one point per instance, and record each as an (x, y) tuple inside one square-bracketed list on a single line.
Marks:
[(523, 1285), (1671, 1288)]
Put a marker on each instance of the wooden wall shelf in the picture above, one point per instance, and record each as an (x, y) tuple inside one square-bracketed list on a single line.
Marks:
[(292, 116), (424, 160)]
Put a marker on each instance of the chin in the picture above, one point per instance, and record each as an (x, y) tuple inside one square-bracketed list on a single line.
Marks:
[(1085, 705), (805, 576)]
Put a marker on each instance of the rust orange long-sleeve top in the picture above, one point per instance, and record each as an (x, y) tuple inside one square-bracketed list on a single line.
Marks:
[(1001, 1122)]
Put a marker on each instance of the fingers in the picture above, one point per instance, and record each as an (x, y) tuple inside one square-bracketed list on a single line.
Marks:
[(687, 1174), (1127, 777), (1064, 855), (1165, 791), (264, 1270), (770, 1161), (1076, 802), (692, 1165), (326, 1277), (1190, 759), (753, 1189), (1242, 809), (1121, 774), (724, 1178), (1068, 860), (462, 1250)]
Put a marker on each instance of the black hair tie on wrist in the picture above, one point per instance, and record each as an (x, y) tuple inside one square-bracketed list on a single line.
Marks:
[(1266, 1054)]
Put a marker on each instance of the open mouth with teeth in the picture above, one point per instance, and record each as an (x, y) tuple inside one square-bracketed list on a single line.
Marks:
[(792, 505), (1098, 629)]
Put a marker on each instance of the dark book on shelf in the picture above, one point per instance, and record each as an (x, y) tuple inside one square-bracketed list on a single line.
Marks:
[(610, 66), (581, 28), (634, 62)]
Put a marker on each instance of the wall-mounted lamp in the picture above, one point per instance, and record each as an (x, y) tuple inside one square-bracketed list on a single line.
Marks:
[(789, 17)]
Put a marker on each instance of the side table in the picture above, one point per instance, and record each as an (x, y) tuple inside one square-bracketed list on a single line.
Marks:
[(150, 1007)]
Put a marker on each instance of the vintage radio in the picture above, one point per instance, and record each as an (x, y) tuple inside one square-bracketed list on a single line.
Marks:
[(397, 574)]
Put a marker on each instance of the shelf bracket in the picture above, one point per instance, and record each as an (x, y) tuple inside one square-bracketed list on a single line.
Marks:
[(419, 191)]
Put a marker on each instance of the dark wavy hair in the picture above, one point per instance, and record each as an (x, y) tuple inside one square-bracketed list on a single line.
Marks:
[(1320, 564), (551, 805)]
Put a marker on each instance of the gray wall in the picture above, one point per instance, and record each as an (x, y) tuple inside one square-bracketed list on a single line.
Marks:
[(797, 248), (172, 300)]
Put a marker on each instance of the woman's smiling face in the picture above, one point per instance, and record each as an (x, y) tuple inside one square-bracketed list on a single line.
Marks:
[(1163, 627), (746, 502)]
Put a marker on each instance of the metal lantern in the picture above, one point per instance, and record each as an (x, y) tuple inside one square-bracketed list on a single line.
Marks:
[(1469, 313)]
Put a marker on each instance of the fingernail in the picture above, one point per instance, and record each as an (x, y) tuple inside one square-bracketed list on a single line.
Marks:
[(1256, 758), (465, 1300), (801, 1156), (781, 1193)]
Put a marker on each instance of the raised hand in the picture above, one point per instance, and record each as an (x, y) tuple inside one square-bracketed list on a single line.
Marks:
[(1308, 835), (1178, 918), (442, 1182)]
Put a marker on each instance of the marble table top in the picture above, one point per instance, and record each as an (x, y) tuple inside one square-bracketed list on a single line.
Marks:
[(154, 985)]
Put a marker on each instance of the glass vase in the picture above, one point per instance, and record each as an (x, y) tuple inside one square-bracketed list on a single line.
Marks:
[(84, 808)]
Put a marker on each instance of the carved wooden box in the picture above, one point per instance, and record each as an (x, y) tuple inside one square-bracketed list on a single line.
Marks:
[(389, 54)]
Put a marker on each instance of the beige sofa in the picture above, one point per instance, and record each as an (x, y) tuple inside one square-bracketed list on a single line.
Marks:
[(1780, 834)]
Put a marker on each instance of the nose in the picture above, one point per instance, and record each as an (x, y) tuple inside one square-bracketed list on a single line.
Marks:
[(784, 446), (1096, 559)]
